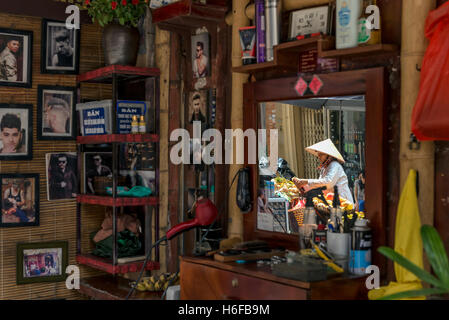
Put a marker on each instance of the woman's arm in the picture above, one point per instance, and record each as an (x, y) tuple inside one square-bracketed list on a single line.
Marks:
[(329, 180)]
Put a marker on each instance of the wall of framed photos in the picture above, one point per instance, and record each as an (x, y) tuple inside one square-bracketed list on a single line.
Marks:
[(57, 219)]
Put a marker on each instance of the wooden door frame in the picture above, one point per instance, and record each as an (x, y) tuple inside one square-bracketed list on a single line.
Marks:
[(369, 82)]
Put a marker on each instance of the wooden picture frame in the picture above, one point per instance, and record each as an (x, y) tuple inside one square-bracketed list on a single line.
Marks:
[(14, 116), (25, 214), (64, 60), (369, 82), (56, 113), (41, 262), (16, 58)]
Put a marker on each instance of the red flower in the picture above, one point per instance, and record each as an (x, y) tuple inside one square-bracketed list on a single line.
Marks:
[(124, 3), (113, 5), (87, 2), (135, 2)]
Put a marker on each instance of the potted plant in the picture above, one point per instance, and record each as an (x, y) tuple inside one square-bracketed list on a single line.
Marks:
[(120, 35)]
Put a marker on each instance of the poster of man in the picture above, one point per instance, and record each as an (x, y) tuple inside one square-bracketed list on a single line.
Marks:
[(56, 113), (96, 164), (197, 107), (20, 200), (15, 57), (60, 48), (62, 175), (15, 132), (200, 55)]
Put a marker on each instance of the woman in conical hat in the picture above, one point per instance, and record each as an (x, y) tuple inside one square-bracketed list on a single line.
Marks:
[(331, 170)]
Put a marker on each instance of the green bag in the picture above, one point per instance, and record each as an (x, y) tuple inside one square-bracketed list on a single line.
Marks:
[(128, 245), (137, 191)]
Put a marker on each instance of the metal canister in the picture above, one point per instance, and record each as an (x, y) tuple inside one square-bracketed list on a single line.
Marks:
[(361, 243)]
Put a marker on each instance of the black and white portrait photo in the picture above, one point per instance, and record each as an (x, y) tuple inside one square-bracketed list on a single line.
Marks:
[(62, 175), (16, 132), (96, 164), (201, 55), (56, 113), (15, 57), (60, 48), (197, 107)]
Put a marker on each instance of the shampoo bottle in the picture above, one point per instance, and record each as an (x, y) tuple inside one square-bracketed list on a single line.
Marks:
[(348, 13)]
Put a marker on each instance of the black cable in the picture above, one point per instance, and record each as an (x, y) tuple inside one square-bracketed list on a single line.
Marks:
[(143, 267)]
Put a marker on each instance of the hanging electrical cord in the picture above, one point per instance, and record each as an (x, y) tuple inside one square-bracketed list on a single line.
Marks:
[(165, 239)]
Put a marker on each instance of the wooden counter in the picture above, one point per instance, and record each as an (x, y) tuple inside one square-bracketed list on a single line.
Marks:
[(206, 279)]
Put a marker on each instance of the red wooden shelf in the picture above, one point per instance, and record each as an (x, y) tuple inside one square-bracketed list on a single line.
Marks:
[(118, 202), (111, 138), (186, 14), (106, 265), (104, 75), (108, 287)]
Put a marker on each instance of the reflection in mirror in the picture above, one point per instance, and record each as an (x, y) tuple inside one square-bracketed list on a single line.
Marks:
[(301, 124)]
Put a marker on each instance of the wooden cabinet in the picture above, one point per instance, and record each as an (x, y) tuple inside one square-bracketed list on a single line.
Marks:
[(205, 279)]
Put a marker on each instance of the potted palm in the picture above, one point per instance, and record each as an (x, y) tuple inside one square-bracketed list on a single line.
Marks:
[(120, 35)]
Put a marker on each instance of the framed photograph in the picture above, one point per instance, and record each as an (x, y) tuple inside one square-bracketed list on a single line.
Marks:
[(201, 55), (15, 57), (60, 48), (96, 164), (20, 200), (56, 113), (42, 262), (62, 175), (16, 131), (308, 21), (197, 108)]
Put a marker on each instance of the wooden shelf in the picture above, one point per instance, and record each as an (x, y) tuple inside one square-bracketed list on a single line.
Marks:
[(106, 265), (186, 14), (118, 202), (108, 287), (117, 138), (286, 55), (358, 51), (104, 75)]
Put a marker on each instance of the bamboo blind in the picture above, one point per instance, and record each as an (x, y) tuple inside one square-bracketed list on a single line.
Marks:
[(57, 218), (312, 124)]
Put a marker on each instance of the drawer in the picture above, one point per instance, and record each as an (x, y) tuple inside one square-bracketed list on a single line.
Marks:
[(200, 282)]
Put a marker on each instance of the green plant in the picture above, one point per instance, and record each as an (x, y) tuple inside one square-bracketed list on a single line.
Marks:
[(125, 12), (434, 248)]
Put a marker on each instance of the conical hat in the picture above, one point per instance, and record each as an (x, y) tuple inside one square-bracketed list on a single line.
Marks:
[(326, 147)]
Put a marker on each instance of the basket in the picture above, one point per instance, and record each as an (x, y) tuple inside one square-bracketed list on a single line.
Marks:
[(101, 183)]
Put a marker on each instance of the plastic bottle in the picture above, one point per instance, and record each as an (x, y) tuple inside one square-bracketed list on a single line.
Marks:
[(134, 125), (348, 13), (367, 36), (142, 125)]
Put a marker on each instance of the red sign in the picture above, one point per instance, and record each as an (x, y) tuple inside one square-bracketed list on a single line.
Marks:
[(316, 84), (301, 86)]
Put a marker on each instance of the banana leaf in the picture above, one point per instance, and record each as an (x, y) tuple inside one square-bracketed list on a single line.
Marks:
[(414, 294), (410, 266), (436, 253)]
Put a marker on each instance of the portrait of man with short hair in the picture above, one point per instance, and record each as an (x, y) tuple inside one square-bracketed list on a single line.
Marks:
[(15, 132), (62, 175), (60, 48), (55, 111), (200, 55), (15, 57)]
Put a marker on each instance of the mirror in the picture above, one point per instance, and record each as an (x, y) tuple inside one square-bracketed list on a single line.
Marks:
[(300, 124)]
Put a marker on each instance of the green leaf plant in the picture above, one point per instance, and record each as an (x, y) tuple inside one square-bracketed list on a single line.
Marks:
[(434, 248), (124, 12)]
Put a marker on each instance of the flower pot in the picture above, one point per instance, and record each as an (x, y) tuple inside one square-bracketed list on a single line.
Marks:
[(120, 45)]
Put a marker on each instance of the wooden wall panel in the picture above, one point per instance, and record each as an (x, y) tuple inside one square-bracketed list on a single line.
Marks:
[(57, 219)]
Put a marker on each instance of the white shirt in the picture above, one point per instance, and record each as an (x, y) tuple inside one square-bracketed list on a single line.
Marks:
[(333, 175)]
